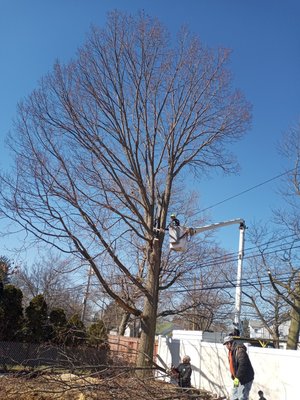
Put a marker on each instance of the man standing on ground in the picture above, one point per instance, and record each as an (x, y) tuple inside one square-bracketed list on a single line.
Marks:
[(184, 372), (241, 369)]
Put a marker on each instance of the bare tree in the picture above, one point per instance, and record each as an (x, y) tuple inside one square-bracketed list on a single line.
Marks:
[(198, 300), (102, 143), (205, 309), (288, 219), (259, 297), (53, 277), (278, 253)]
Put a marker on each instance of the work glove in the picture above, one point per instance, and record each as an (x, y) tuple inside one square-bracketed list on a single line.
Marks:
[(236, 382)]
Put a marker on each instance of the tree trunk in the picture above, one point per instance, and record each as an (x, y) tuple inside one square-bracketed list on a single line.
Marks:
[(293, 337), (292, 341), (123, 323), (146, 346), (148, 319)]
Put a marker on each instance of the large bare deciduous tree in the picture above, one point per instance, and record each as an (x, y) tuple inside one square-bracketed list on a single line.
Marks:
[(103, 142)]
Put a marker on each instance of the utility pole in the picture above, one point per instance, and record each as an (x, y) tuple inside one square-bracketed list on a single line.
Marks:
[(238, 290)]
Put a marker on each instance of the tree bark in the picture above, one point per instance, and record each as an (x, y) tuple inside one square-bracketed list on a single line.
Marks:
[(123, 323), (148, 320), (293, 337)]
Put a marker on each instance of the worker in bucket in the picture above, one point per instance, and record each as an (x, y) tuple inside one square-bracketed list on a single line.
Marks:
[(241, 369), (174, 220), (174, 228)]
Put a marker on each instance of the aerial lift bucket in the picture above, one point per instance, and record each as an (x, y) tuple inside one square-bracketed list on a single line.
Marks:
[(178, 238)]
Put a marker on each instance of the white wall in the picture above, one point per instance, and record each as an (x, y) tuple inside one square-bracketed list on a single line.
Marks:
[(276, 371)]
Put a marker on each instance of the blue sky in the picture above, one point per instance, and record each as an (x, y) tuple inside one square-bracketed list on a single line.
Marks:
[(264, 36)]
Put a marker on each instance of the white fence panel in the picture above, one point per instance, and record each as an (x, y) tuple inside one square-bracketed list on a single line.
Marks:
[(276, 370)]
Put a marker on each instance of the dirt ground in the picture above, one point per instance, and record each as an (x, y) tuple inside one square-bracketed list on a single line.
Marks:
[(46, 386)]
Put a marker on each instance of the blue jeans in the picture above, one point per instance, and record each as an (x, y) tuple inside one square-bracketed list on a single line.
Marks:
[(241, 392)]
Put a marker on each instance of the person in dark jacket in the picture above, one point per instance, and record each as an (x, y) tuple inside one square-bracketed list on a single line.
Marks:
[(261, 395), (241, 369), (184, 372), (174, 221)]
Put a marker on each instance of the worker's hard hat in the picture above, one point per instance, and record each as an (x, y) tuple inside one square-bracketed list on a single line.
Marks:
[(173, 215), (227, 339)]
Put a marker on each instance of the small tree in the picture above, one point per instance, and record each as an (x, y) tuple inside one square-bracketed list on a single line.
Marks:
[(36, 327), (97, 334), (58, 321), (50, 275), (76, 332), (11, 313), (291, 295)]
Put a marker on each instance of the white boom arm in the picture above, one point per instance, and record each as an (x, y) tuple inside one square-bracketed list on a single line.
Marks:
[(193, 231)]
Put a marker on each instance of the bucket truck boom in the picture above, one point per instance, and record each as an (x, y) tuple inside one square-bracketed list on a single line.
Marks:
[(179, 236), (193, 231)]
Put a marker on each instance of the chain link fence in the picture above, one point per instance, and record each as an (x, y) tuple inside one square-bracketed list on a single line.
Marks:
[(36, 355)]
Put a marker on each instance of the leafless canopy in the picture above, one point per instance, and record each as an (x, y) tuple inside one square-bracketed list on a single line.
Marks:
[(102, 142)]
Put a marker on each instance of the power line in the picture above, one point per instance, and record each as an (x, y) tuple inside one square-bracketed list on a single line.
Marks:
[(232, 257), (229, 285), (246, 191)]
